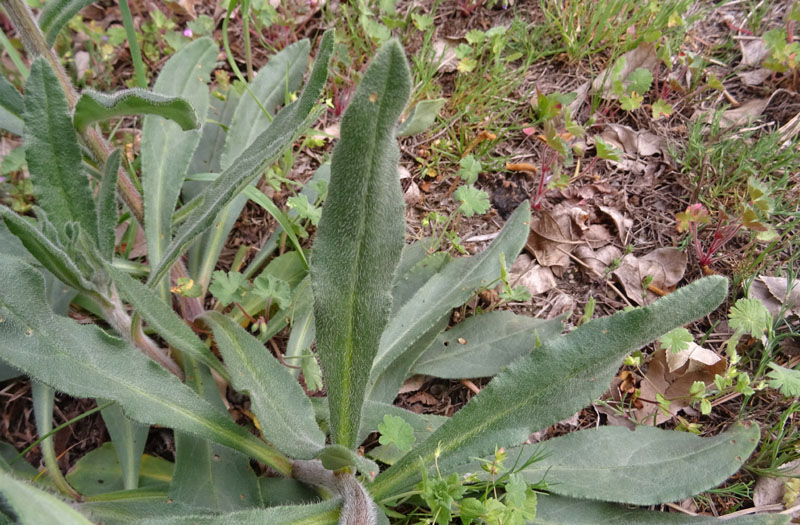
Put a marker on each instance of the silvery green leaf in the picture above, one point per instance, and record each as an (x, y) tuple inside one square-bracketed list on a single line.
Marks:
[(33, 506), (559, 378), (359, 239), (53, 155), (56, 14)]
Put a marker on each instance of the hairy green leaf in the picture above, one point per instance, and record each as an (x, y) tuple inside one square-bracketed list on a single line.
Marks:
[(84, 361), (558, 510), (208, 475), (45, 250), (107, 206), (323, 513), (53, 155), (286, 126), (167, 149), (278, 400), (282, 74), (336, 457), (446, 290), (56, 14), (12, 107), (34, 506), (641, 467), (481, 345), (163, 319), (359, 239), (93, 107), (559, 378), (131, 506)]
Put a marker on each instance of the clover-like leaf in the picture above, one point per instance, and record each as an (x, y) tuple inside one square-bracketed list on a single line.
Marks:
[(640, 80), (784, 379), (268, 286), (676, 340), (228, 287), (750, 316), (469, 169), (631, 102), (395, 429), (472, 200), (304, 209), (605, 150), (661, 108)]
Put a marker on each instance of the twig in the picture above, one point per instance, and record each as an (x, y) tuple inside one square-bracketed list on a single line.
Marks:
[(471, 386)]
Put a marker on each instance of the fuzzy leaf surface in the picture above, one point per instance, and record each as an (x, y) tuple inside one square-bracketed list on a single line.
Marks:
[(483, 344), (360, 238), (561, 377), (208, 475), (53, 155), (107, 206), (559, 510), (641, 467), (421, 117), (446, 290), (287, 125), (163, 319), (93, 107), (132, 506), (32, 505), (167, 149), (129, 438), (84, 361), (56, 14), (45, 250), (278, 400), (323, 513)]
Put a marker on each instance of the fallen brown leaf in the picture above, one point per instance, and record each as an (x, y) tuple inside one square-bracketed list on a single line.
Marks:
[(773, 292), (643, 56), (666, 266), (535, 278)]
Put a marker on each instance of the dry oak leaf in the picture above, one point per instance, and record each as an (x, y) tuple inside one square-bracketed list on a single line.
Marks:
[(552, 239), (774, 293), (537, 279), (674, 384), (666, 266), (643, 56), (598, 260)]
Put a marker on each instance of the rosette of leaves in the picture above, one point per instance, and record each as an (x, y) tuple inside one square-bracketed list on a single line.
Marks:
[(379, 312)]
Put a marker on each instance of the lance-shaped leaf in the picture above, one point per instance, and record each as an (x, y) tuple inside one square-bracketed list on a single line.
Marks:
[(323, 513), (558, 510), (107, 206), (483, 344), (278, 400), (84, 361), (559, 378), (286, 127), (56, 14), (32, 505), (100, 472), (12, 107), (283, 72), (360, 238), (642, 467), (166, 149), (163, 319), (208, 475), (446, 290), (45, 250), (134, 506), (93, 107), (53, 155)]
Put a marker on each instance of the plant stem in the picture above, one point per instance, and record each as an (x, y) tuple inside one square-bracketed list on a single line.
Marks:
[(246, 29), (136, 55)]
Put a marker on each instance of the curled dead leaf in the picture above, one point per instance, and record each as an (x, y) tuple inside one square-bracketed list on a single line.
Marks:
[(666, 266), (535, 278), (774, 293)]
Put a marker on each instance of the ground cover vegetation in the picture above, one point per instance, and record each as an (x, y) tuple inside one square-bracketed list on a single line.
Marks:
[(412, 262)]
